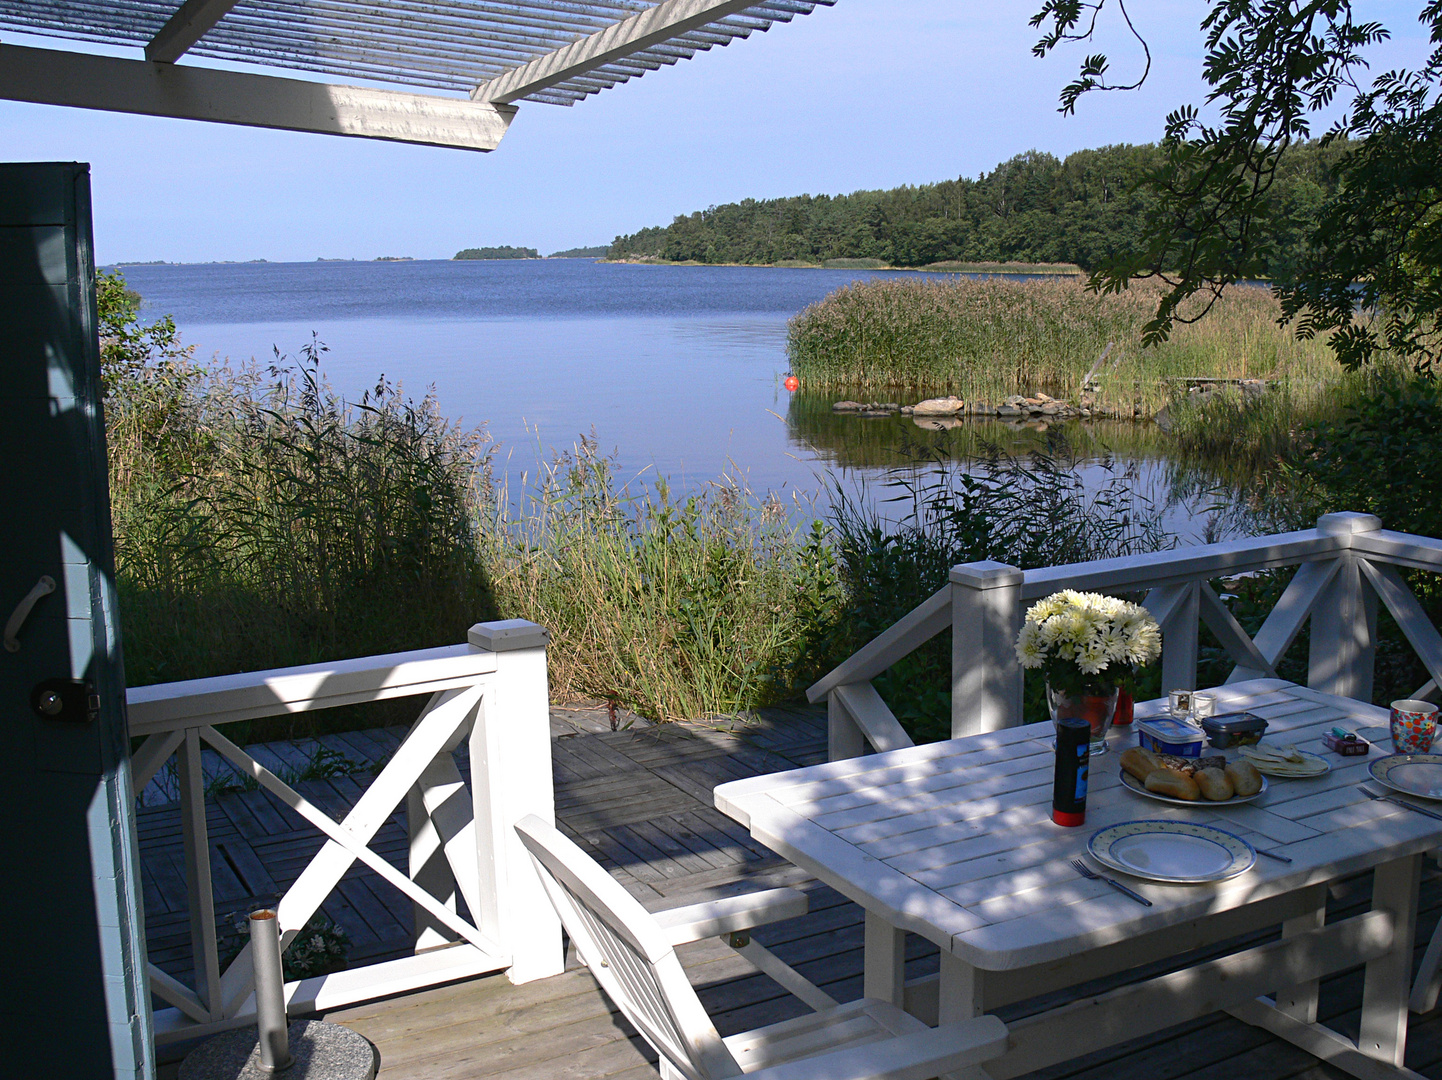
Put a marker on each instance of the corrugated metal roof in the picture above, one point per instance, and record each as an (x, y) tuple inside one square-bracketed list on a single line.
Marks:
[(451, 45)]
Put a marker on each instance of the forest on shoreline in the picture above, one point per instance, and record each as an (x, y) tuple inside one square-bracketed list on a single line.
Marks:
[(1035, 208)]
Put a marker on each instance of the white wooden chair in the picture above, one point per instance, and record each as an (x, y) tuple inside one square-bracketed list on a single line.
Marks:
[(631, 954)]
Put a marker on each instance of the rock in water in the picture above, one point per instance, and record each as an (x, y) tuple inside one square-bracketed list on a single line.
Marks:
[(847, 406), (938, 406)]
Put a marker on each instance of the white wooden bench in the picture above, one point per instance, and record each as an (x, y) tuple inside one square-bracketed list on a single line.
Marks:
[(632, 955)]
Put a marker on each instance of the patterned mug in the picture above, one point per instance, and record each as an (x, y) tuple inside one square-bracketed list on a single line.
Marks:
[(1414, 724)]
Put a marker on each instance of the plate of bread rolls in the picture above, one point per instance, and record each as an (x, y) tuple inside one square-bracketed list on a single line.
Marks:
[(1205, 781)]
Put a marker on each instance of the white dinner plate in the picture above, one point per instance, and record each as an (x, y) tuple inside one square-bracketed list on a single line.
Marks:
[(1131, 783), (1180, 852), (1411, 774)]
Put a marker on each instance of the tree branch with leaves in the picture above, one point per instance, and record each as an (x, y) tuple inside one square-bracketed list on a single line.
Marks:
[(1369, 278)]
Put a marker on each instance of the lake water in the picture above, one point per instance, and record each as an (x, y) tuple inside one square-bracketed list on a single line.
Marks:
[(677, 370)]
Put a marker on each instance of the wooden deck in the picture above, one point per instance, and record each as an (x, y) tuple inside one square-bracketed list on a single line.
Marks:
[(640, 800)]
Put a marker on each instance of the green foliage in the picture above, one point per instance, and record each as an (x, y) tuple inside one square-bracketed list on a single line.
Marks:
[(1381, 456), (598, 252), (1031, 511), (127, 346), (1375, 455), (1362, 246), (1033, 209), (502, 252)]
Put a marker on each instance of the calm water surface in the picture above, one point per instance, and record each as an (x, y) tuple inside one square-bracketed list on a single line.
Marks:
[(677, 370)]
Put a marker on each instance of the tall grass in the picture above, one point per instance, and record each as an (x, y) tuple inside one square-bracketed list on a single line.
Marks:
[(262, 521), (675, 608), (987, 339)]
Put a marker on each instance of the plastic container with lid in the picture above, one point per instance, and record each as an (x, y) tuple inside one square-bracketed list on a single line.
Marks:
[(1234, 729), (1168, 735)]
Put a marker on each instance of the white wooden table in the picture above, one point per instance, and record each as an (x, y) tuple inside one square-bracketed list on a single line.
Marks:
[(953, 841)]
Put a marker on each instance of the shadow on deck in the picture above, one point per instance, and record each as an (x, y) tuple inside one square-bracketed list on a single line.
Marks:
[(640, 801)]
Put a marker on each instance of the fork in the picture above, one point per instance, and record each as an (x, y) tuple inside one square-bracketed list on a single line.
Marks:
[(1399, 802), (1087, 872)]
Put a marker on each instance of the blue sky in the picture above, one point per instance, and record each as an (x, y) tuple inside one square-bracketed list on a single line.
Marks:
[(866, 94)]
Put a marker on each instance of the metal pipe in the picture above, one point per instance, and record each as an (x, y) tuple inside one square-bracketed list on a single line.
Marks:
[(270, 1019)]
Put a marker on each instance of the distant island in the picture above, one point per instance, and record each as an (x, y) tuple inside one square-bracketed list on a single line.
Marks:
[(581, 253), (1033, 214), (395, 258), (497, 253)]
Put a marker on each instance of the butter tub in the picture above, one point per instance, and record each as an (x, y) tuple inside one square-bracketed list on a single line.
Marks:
[(1168, 735)]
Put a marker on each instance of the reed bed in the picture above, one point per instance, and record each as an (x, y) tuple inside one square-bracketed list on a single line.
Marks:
[(988, 339), (675, 608), (261, 521)]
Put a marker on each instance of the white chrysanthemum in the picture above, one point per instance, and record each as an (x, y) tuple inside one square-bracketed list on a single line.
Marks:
[(1091, 660), (1144, 645), (1115, 644), (1073, 623), (1089, 630), (1029, 649), (1111, 607)]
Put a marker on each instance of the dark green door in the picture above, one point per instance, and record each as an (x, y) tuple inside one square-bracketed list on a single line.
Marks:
[(71, 939)]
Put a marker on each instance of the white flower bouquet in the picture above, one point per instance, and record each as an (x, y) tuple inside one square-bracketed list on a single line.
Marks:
[(1086, 642)]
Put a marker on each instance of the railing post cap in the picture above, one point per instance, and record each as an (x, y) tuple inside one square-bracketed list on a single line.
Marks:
[(508, 635), (986, 575), (1347, 523)]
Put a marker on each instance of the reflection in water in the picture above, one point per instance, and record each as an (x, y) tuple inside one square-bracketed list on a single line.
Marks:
[(864, 451)]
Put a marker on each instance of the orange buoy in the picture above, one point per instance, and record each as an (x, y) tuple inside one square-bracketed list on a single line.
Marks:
[(792, 383)]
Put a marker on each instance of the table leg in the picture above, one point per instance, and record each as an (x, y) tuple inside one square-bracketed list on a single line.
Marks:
[(1388, 979), (959, 997), (960, 990), (1381, 1045), (884, 961), (1300, 1001)]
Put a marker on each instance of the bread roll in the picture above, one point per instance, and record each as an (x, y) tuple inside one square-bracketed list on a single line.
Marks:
[(1214, 784), (1245, 778), (1173, 784), (1140, 763)]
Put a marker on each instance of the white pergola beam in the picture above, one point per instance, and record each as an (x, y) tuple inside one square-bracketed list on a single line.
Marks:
[(185, 28), (85, 81), (666, 20)]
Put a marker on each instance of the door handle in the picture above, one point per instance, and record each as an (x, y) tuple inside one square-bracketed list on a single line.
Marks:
[(44, 587)]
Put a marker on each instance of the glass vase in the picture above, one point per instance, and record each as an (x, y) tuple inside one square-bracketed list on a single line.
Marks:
[(1097, 709)]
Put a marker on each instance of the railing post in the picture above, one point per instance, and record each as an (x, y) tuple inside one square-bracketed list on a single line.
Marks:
[(1344, 620), (986, 615), (510, 778), (1181, 631), (843, 736)]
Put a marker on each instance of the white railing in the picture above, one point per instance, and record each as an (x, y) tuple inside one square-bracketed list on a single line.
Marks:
[(491, 692), (1345, 565)]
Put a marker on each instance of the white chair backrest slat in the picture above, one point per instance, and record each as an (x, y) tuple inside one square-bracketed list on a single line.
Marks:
[(628, 955)]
